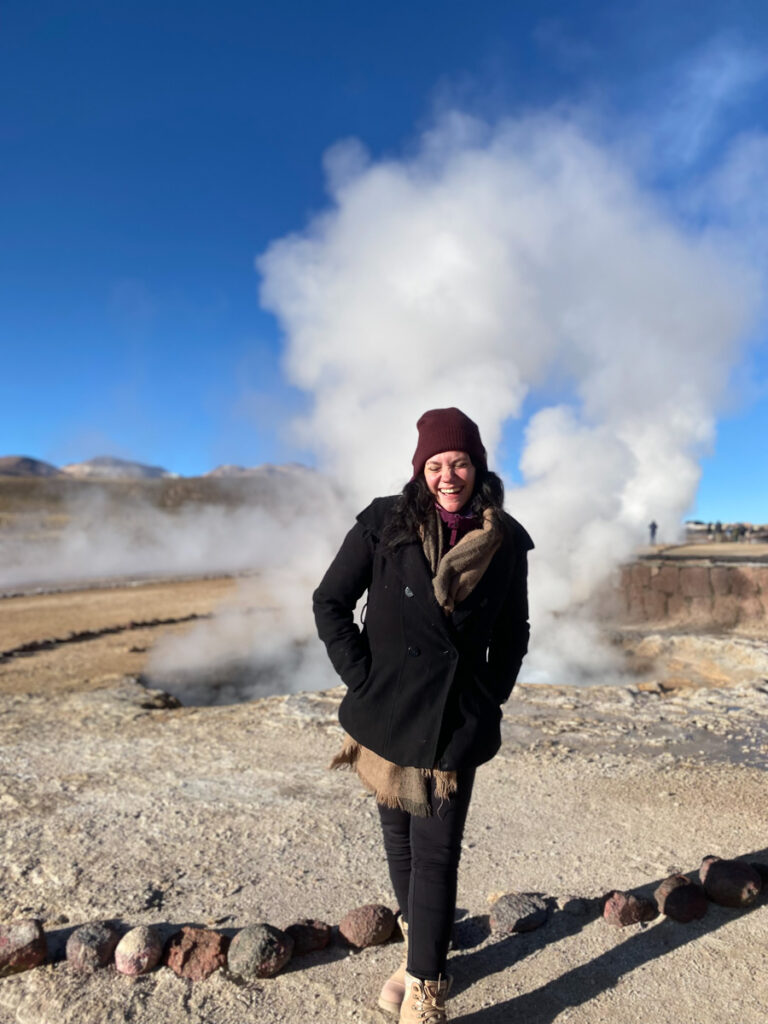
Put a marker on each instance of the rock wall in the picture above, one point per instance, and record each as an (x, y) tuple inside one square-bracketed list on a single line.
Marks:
[(702, 595)]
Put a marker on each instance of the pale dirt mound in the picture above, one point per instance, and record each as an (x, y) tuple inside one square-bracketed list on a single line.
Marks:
[(108, 467)]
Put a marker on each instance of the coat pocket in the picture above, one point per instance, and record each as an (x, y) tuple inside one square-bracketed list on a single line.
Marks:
[(364, 685), (482, 683)]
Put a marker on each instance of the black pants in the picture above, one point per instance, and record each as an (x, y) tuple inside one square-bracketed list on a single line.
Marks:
[(423, 858)]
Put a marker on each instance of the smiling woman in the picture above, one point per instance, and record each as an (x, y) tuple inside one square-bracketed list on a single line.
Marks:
[(446, 631), (450, 477)]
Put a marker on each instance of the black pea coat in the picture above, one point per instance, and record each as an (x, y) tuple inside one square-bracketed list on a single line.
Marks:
[(424, 688)]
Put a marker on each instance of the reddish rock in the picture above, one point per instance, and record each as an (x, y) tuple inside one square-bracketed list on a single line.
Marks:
[(720, 578), (139, 950), (367, 926), (624, 908), (195, 953), (726, 611), (666, 580), (700, 611), (91, 946), (677, 607), (731, 883), (751, 609), (635, 608), (309, 935), (694, 581), (259, 951), (654, 605), (744, 581), (22, 945), (518, 912), (679, 898), (641, 575)]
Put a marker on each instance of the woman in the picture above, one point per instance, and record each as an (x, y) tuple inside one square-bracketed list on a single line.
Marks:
[(446, 629)]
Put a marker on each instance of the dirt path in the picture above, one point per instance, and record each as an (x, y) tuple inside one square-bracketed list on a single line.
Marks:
[(76, 639)]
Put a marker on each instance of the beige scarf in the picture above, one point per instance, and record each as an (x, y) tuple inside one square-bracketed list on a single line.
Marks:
[(458, 570), (456, 573)]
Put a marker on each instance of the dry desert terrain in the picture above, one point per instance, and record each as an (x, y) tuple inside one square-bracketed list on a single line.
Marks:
[(118, 806)]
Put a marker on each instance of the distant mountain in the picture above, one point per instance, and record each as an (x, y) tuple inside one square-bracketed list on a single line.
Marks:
[(23, 465), (107, 467), (229, 470), (266, 469)]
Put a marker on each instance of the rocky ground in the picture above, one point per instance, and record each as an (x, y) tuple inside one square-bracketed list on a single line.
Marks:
[(116, 806)]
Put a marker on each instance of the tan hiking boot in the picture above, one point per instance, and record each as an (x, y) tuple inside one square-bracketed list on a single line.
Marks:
[(393, 990), (424, 1001)]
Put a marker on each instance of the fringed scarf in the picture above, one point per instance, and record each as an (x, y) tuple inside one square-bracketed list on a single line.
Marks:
[(394, 786), (457, 568)]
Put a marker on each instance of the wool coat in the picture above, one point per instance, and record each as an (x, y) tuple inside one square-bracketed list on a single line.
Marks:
[(423, 688)]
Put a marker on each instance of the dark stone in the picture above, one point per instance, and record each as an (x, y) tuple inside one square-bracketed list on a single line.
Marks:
[(731, 883), (195, 953), (259, 951), (91, 946), (308, 936), (679, 898), (706, 863), (624, 908), (761, 869), (22, 945), (518, 912), (367, 926)]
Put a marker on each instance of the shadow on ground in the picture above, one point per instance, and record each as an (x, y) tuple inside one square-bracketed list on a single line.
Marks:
[(581, 984)]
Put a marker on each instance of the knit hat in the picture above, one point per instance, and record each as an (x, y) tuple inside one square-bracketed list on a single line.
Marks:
[(447, 430)]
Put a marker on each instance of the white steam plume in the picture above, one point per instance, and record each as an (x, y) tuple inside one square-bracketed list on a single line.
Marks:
[(496, 265), (492, 269), (282, 526), (106, 535)]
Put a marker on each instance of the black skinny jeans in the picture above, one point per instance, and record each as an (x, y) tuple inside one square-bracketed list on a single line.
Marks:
[(423, 858)]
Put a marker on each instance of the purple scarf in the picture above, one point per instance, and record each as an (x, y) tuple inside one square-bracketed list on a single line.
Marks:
[(458, 523)]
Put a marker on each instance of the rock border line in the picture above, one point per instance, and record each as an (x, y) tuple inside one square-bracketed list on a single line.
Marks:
[(83, 635)]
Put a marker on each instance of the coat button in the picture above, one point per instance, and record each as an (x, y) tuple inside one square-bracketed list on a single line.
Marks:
[(408, 592), (414, 651)]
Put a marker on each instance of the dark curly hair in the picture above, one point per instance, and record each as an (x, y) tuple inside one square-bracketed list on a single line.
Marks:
[(416, 501)]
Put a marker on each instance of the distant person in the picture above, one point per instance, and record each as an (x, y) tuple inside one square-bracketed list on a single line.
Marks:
[(445, 633), (652, 528)]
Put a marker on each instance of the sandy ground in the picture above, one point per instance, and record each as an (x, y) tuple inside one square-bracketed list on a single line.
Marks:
[(726, 551), (84, 636), (115, 806)]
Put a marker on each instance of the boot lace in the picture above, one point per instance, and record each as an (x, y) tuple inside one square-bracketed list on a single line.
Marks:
[(429, 1003)]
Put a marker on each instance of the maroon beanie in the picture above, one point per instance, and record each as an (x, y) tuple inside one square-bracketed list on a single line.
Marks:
[(447, 430)]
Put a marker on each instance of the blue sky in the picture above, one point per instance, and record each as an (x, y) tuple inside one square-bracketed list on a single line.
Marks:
[(151, 152)]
